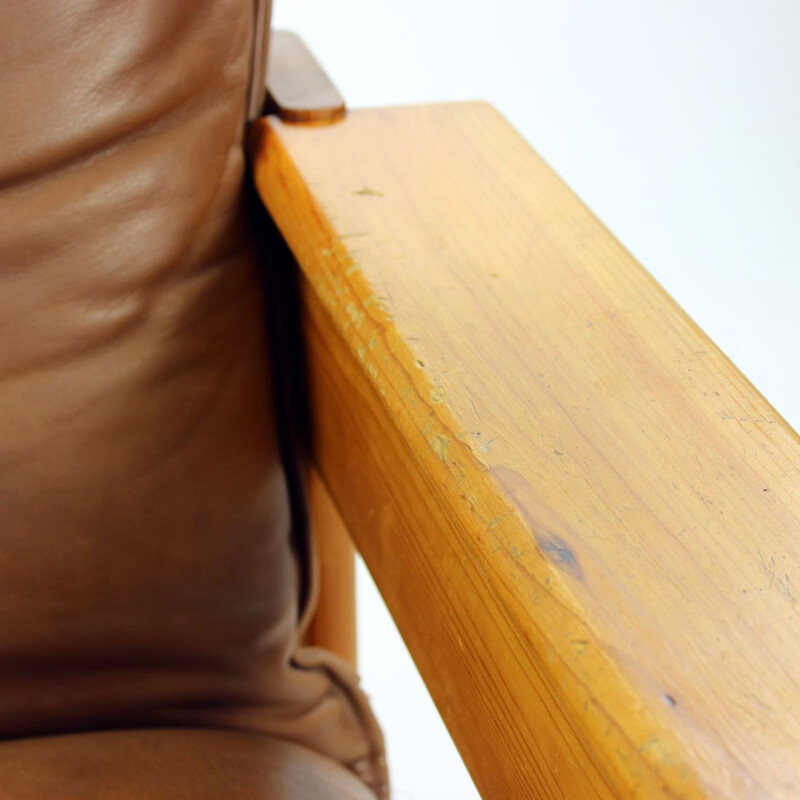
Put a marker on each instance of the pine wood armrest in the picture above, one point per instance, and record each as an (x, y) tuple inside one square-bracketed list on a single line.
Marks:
[(583, 518)]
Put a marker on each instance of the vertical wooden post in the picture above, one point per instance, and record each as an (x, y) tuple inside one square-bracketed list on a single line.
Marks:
[(334, 623)]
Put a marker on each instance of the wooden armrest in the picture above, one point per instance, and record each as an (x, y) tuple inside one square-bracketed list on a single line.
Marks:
[(298, 89), (582, 516)]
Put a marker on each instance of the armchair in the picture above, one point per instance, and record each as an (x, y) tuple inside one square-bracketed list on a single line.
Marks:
[(581, 515)]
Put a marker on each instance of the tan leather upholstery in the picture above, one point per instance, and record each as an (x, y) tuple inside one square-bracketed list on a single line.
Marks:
[(171, 765), (147, 575)]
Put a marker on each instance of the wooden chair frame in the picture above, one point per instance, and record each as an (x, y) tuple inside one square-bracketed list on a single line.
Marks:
[(582, 517)]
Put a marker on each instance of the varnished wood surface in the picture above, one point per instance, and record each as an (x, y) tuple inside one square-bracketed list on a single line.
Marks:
[(333, 625), (583, 518), (298, 89)]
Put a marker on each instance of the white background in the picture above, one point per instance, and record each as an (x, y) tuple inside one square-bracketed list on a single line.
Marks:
[(677, 122)]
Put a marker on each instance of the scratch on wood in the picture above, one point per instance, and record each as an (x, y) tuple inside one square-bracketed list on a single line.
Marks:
[(437, 394), (367, 192), (440, 444), (344, 236)]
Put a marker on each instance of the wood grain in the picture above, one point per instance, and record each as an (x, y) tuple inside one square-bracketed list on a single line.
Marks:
[(583, 518), (333, 625)]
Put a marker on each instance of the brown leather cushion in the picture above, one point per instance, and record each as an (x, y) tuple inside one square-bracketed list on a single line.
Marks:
[(147, 576), (170, 765)]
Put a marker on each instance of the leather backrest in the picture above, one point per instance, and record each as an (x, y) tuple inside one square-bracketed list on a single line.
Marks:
[(147, 575)]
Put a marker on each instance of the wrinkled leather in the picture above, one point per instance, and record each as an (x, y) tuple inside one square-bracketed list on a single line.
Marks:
[(171, 765), (147, 572)]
